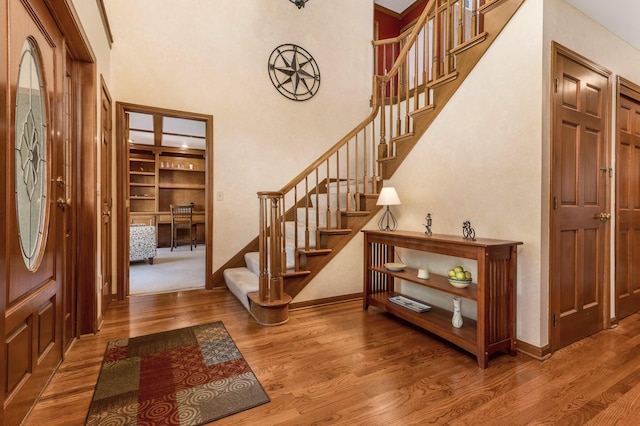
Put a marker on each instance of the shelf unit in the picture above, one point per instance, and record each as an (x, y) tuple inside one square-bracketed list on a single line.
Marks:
[(161, 176), (495, 290), (142, 181)]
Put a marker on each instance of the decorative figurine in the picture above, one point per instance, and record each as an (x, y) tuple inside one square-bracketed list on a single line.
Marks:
[(468, 233), (428, 224)]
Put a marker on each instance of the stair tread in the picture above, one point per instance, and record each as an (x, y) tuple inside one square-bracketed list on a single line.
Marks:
[(387, 159), (371, 195), (443, 80), (400, 138), (295, 273), (338, 231), (315, 252), (357, 213), (424, 109)]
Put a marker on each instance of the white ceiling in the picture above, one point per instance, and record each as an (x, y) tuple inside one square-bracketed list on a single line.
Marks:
[(397, 6), (618, 16)]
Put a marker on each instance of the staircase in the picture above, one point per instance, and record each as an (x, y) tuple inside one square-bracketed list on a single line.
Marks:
[(306, 223)]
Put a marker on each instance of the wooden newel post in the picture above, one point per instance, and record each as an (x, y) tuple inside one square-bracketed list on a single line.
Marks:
[(270, 305), (275, 257)]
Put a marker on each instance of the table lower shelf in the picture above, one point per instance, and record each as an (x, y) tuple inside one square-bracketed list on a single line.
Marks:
[(436, 320)]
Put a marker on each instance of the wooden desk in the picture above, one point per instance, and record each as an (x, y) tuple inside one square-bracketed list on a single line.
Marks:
[(162, 221)]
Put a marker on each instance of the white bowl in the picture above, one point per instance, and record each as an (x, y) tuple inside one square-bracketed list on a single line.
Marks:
[(459, 283), (395, 266)]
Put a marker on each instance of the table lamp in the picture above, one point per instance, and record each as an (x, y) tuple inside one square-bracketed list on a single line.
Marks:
[(388, 197)]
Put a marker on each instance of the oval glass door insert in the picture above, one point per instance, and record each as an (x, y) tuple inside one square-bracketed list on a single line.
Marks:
[(31, 157)]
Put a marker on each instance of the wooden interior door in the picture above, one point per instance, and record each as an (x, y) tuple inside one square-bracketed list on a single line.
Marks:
[(628, 202), (34, 220), (579, 175), (106, 195)]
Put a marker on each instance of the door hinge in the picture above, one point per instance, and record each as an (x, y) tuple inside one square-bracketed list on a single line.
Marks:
[(555, 320), (557, 85), (608, 170), (555, 203)]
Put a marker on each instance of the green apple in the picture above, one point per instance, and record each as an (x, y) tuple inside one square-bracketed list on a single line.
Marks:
[(458, 269), (460, 275), (452, 273), (467, 275)]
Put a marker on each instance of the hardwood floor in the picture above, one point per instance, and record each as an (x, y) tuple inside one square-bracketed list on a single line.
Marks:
[(338, 364)]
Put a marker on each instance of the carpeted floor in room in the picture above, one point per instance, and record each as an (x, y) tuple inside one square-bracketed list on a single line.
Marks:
[(180, 269)]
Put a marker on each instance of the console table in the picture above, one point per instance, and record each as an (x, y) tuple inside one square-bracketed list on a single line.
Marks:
[(494, 291)]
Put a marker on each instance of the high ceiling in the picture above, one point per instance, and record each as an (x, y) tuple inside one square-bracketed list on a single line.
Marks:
[(397, 6), (618, 16)]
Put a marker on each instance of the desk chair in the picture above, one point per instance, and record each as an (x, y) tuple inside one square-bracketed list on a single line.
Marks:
[(182, 218)]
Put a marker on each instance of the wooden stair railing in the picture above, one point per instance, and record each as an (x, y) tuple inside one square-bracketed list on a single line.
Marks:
[(327, 204)]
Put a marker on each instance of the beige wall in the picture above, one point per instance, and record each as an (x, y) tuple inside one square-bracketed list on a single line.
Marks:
[(211, 57)]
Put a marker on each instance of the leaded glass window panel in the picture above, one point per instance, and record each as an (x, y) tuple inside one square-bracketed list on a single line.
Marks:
[(31, 156)]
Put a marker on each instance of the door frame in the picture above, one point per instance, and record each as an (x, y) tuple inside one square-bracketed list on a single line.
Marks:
[(106, 178), (632, 90), (556, 50), (121, 202)]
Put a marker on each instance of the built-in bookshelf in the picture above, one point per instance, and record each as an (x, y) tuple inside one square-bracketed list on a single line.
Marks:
[(159, 177)]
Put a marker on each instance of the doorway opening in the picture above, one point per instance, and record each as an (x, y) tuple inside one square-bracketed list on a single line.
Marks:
[(165, 161)]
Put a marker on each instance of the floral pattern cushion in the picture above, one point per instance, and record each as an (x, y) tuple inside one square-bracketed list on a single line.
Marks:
[(142, 242)]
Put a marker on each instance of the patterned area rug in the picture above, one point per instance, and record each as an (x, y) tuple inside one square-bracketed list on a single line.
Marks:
[(189, 376)]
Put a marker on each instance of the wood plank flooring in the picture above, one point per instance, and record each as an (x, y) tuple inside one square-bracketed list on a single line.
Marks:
[(340, 365)]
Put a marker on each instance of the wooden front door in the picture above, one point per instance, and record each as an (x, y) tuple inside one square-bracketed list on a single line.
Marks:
[(628, 202), (579, 209), (106, 175), (34, 220)]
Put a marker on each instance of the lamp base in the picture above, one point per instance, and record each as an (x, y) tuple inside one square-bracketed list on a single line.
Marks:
[(387, 221)]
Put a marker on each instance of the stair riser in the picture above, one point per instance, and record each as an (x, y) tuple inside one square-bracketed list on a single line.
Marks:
[(322, 217), (290, 235)]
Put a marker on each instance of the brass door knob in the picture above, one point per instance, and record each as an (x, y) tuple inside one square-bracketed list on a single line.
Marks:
[(602, 216), (62, 203)]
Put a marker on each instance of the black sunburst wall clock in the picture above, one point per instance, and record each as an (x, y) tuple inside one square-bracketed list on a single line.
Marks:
[(294, 72)]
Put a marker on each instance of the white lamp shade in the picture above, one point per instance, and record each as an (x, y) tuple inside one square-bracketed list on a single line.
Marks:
[(388, 197)]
